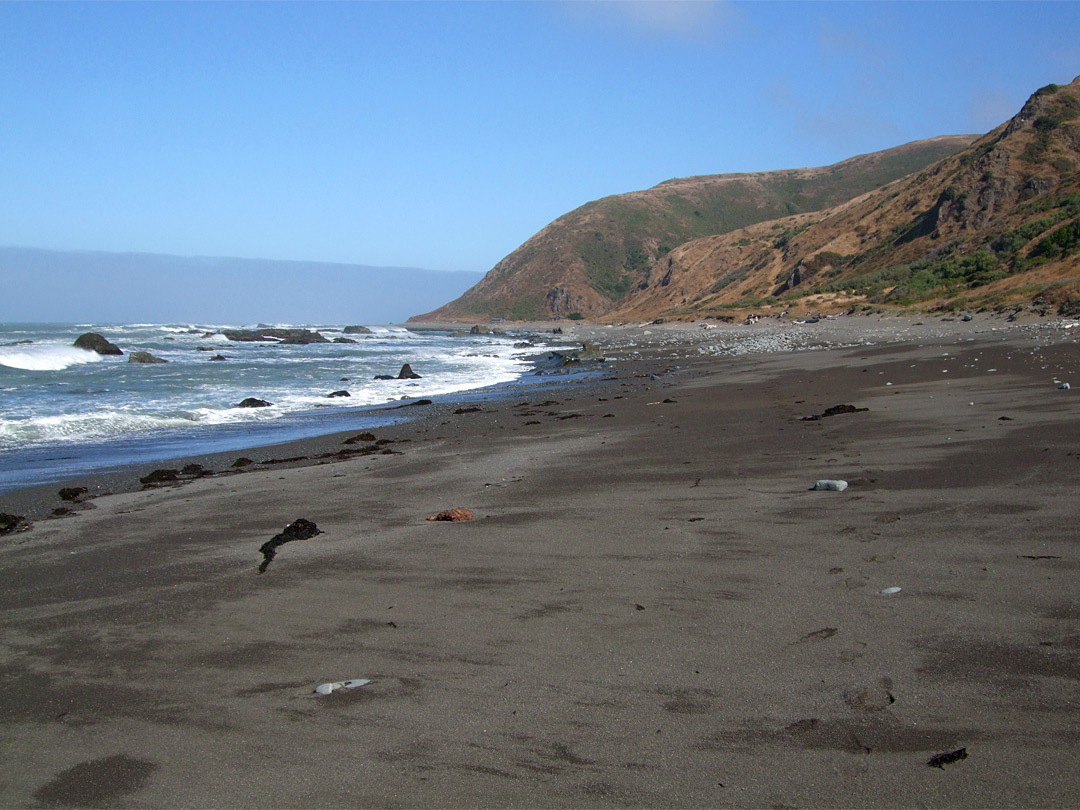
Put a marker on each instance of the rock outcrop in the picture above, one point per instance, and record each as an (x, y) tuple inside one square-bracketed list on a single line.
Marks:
[(94, 342), (288, 337), (144, 357)]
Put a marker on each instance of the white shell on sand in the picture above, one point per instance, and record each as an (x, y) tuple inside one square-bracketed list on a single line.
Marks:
[(890, 591), (327, 688)]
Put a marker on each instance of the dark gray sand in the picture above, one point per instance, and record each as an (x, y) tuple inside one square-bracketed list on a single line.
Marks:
[(651, 609)]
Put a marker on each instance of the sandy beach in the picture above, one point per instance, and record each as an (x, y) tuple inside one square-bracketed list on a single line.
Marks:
[(652, 607)]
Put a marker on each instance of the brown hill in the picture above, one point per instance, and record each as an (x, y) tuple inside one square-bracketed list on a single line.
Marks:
[(592, 258), (991, 225)]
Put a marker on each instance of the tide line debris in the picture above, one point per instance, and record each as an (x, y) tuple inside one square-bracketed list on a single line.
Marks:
[(941, 760), (456, 513), (300, 529)]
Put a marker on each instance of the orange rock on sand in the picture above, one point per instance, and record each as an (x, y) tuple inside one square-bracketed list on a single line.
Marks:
[(454, 514)]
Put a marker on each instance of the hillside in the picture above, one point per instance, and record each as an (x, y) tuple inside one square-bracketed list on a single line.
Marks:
[(592, 258), (993, 224)]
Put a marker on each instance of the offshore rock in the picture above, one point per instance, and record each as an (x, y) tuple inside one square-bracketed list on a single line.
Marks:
[(254, 402), (144, 357), (287, 337), (94, 342), (357, 330), (407, 373)]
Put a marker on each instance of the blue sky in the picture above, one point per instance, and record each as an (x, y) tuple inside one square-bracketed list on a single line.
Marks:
[(443, 134)]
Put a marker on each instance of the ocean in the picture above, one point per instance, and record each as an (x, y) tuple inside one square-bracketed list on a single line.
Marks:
[(65, 411)]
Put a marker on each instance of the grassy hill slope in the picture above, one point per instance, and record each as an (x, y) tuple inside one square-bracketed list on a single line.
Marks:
[(993, 224), (592, 258)]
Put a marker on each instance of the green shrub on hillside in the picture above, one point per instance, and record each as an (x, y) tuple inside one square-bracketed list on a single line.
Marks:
[(637, 260), (1010, 242), (1065, 241), (526, 311), (947, 276), (943, 274), (605, 263), (728, 279)]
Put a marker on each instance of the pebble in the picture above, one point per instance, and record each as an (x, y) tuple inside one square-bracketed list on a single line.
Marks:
[(830, 485)]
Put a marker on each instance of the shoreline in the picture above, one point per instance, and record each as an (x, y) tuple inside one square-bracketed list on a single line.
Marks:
[(140, 452), (36, 501), (651, 607), (674, 340)]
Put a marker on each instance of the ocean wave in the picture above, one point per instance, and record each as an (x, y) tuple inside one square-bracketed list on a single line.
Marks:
[(396, 331), (83, 427), (45, 357), (96, 404)]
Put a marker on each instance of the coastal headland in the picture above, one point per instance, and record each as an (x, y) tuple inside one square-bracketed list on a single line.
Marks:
[(652, 606)]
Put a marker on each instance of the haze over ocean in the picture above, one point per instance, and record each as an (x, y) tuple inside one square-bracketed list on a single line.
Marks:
[(443, 135)]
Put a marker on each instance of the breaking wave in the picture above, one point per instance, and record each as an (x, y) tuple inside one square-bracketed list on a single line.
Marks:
[(46, 357)]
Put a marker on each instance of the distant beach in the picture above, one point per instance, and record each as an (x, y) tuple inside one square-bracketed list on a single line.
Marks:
[(653, 605)]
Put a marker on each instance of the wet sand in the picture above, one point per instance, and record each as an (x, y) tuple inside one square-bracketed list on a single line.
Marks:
[(651, 609)]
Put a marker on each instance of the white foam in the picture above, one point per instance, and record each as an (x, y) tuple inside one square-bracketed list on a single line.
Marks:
[(45, 357), (396, 331), (82, 427), (116, 400), (234, 415)]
